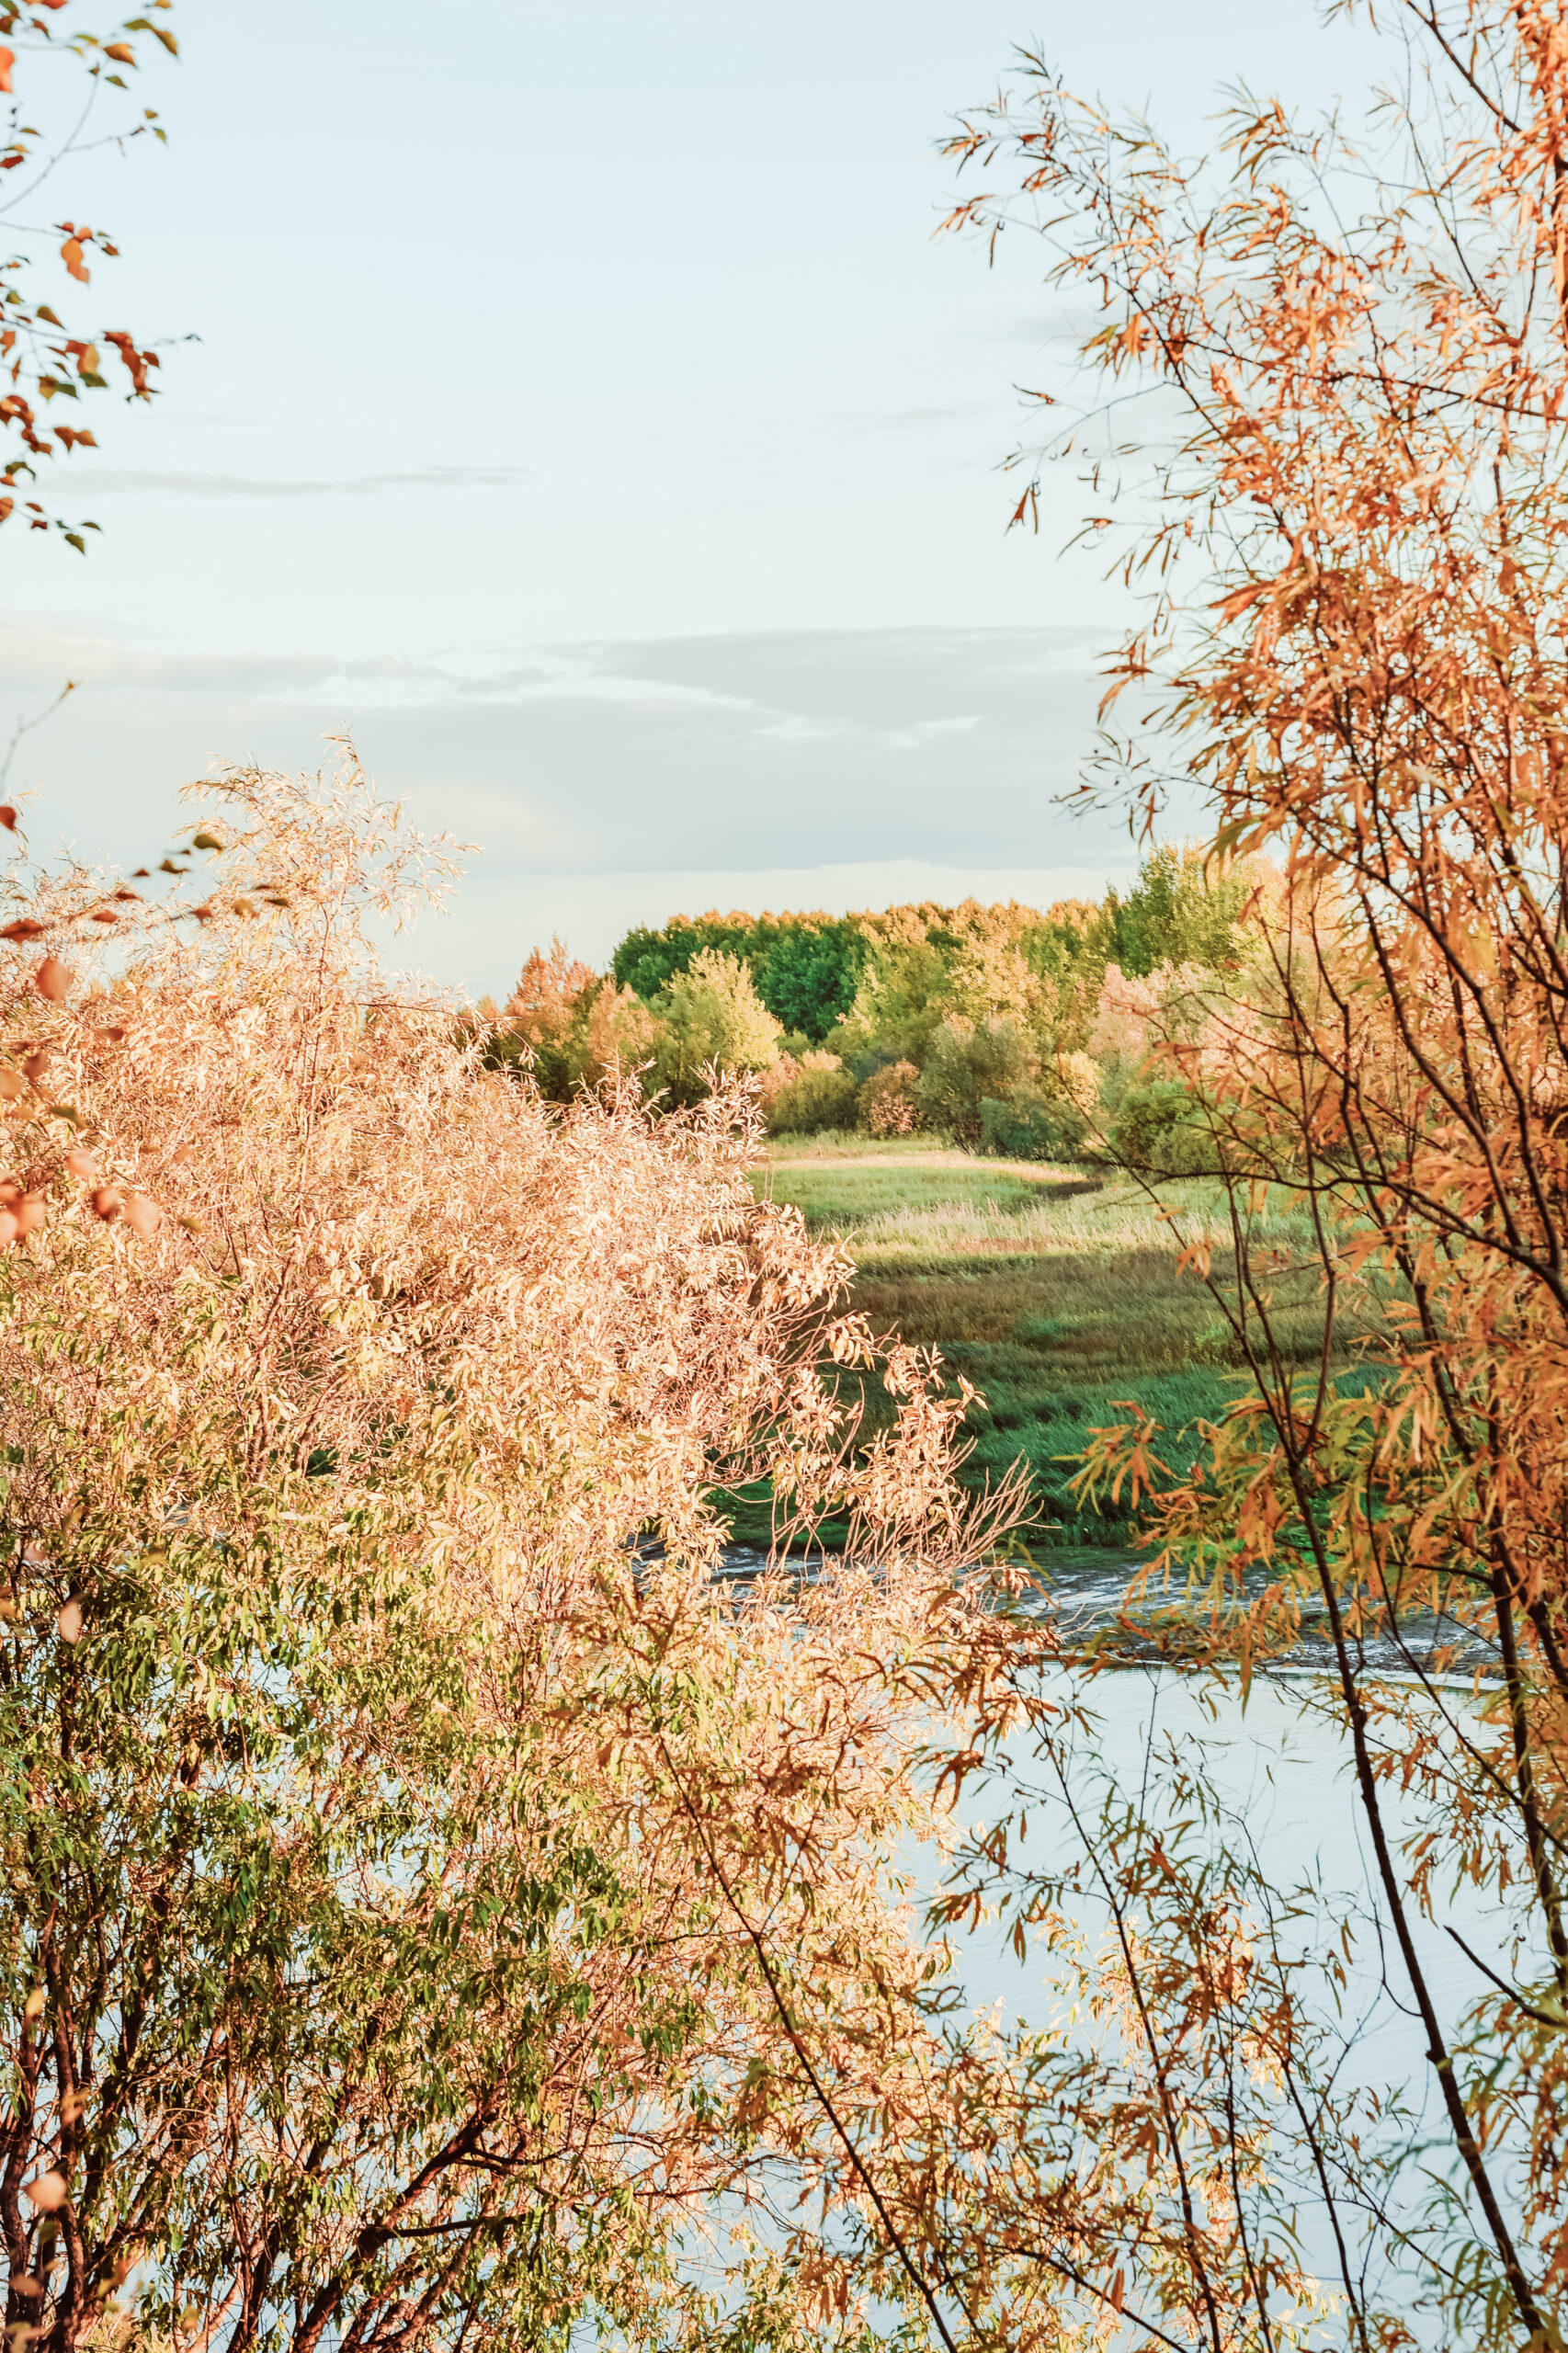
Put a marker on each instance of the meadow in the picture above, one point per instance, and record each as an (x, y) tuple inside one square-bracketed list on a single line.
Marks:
[(1053, 1288)]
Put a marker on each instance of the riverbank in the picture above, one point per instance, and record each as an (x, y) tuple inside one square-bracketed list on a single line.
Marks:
[(1055, 1289)]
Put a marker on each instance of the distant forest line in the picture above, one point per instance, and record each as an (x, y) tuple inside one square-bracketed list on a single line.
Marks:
[(1011, 1027)]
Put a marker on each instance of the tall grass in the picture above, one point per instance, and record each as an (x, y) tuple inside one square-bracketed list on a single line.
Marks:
[(1054, 1290)]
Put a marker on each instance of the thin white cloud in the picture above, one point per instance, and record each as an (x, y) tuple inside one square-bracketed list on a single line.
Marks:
[(900, 420), (107, 481), (767, 750)]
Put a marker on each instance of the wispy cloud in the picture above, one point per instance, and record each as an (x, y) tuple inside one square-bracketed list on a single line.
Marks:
[(107, 481), (900, 420), (778, 749)]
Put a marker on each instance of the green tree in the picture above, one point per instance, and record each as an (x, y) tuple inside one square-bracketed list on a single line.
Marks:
[(804, 967), (808, 976), (1183, 910), (714, 1019)]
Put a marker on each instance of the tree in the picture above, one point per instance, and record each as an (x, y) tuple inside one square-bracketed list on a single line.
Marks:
[(432, 1907), (713, 1019), (1184, 910), (1360, 535), (808, 975), (804, 968), (570, 1028), (45, 359)]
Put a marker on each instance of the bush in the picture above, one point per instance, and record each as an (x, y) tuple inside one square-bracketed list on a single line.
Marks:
[(818, 1096), (890, 1104), (969, 1061), (1031, 1125), (1161, 1127)]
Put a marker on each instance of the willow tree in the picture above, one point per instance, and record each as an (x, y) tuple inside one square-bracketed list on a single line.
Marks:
[(57, 72), (1347, 525), (432, 1908)]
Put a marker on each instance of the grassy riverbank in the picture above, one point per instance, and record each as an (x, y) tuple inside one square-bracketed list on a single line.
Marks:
[(1054, 1290)]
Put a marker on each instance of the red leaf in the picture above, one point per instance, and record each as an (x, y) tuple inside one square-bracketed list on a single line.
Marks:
[(23, 929), (7, 816)]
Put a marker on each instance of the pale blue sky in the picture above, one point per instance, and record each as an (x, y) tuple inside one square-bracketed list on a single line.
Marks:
[(585, 415)]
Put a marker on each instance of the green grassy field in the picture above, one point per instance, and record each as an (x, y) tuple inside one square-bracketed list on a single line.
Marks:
[(1054, 1290)]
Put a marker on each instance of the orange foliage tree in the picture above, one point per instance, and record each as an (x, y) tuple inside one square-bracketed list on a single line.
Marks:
[(44, 359), (1347, 524)]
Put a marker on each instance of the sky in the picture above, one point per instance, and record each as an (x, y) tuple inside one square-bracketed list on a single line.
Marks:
[(571, 400)]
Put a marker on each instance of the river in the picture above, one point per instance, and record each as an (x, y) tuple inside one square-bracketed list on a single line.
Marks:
[(1276, 1773)]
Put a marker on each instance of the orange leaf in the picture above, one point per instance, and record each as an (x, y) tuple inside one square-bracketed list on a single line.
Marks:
[(8, 59), (70, 255), (142, 1215), (51, 978)]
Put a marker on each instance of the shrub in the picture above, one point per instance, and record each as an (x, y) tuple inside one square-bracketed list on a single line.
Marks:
[(819, 1095), (1031, 1125), (1077, 1077), (967, 1062), (889, 1103), (1161, 1127)]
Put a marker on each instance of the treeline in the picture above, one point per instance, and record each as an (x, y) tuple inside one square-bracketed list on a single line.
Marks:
[(1005, 1027)]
